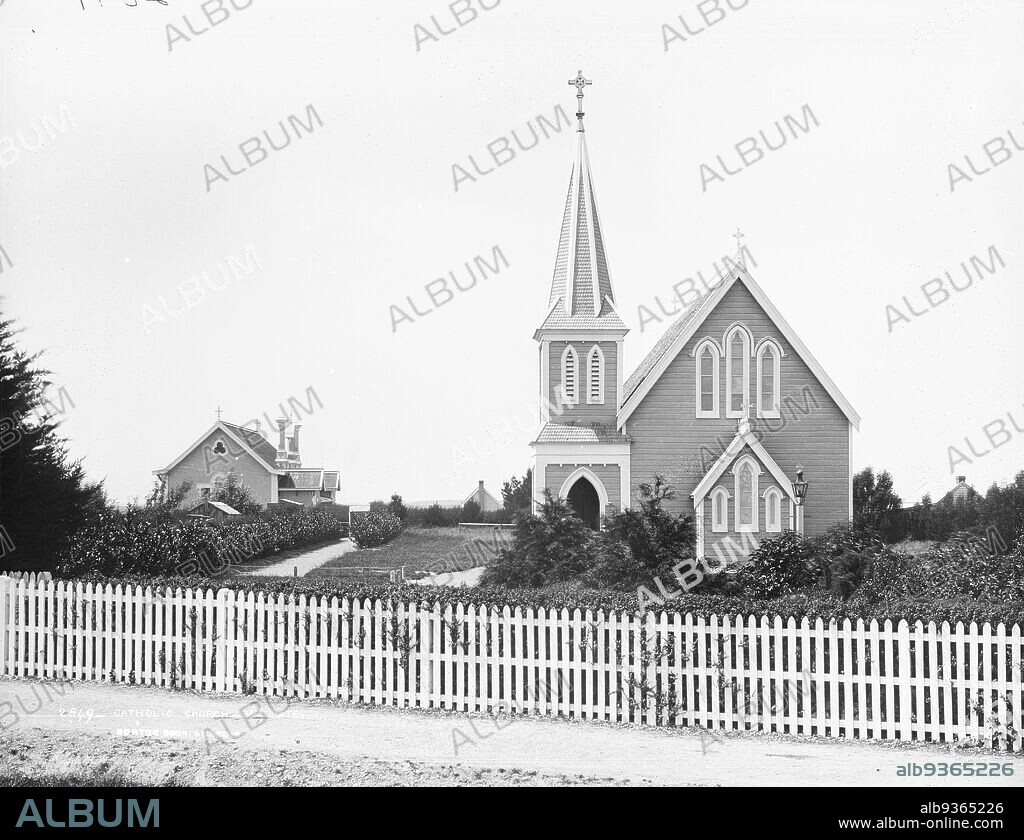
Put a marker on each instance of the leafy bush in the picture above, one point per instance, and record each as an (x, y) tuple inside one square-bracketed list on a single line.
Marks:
[(964, 566), (780, 565), (553, 546), (799, 605), (232, 491), (397, 507), (644, 543), (137, 542), (434, 516), (471, 511), (517, 493), (375, 528)]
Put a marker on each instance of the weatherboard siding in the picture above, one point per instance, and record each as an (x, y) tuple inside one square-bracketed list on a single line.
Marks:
[(813, 431), (556, 474), (582, 412), (202, 466), (731, 546)]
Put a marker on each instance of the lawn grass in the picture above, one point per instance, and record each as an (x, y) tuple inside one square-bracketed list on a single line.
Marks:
[(421, 551)]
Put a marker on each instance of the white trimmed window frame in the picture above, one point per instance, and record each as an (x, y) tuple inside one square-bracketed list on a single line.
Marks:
[(595, 352), (729, 361), (774, 411), (570, 397), (755, 496), (716, 355), (719, 510), (773, 502)]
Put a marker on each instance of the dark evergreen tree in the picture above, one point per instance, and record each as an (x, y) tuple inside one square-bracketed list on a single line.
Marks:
[(44, 496), (517, 493)]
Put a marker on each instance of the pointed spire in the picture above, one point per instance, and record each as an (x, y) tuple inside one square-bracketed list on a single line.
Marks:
[(581, 295)]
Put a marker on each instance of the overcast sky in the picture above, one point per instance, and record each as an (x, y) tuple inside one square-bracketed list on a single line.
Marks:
[(107, 224)]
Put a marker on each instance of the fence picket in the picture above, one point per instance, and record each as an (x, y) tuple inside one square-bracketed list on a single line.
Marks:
[(863, 680)]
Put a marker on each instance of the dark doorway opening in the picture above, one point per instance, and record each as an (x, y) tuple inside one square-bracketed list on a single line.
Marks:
[(585, 502)]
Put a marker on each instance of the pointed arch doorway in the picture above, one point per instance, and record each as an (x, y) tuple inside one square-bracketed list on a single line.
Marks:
[(586, 496), (583, 499)]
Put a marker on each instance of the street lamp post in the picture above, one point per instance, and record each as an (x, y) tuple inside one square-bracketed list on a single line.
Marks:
[(799, 494)]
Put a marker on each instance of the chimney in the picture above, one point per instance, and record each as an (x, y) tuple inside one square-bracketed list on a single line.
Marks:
[(282, 443), (480, 496), (960, 479), (296, 458)]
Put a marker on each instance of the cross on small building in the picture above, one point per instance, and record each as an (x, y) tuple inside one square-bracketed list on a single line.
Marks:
[(218, 411), (579, 82)]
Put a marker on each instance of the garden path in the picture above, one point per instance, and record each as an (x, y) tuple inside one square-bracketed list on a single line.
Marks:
[(305, 563)]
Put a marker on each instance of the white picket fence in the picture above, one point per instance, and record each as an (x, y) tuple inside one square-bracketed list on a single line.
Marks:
[(840, 679)]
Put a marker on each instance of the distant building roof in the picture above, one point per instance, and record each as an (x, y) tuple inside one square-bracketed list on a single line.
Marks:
[(308, 479), (960, 492), (221, 506), (259, 444)]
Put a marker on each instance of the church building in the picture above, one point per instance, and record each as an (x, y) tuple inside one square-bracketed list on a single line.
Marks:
[(728, 406), (273, 474)]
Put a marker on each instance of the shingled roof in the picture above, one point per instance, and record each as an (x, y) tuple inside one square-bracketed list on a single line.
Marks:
[(581, 296), (255, 441), (578, 433), (665, 342)]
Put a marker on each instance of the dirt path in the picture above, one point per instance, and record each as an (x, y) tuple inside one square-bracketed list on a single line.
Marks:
[(229, 739), (305, 563)]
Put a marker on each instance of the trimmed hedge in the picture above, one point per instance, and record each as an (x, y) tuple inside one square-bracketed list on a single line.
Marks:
[(813, 605), (134, 543)]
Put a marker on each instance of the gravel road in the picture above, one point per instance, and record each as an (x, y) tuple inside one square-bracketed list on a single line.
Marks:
[(154, 734)]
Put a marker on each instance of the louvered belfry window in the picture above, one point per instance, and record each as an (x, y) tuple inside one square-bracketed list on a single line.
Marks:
[(595, 392), (569, 375)]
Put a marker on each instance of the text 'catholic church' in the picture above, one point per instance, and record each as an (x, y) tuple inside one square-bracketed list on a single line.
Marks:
[(727, 406)]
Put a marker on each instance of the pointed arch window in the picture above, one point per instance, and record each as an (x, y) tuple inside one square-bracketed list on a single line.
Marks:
[(745, 474), (570, 376), (737, 371), (595, 374), (769, 372), (706, 378), (773, 510), (719, 510)]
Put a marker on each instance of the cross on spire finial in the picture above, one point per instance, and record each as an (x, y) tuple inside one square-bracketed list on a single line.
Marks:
[(579, 82), (218, 411), (739, 236)]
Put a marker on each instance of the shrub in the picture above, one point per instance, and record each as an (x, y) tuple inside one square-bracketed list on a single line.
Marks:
[(471, 511), (232, 491), (644, 543), (964, 566), (136, 542), (434, 516), (842, 554), (397, 507), (811, 604), (553, 546), (375, 528), (780, 565)]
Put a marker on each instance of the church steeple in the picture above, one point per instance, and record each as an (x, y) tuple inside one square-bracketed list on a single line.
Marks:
[(581, 296)]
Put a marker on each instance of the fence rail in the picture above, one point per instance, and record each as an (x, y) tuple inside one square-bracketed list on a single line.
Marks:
[(838, 679)]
